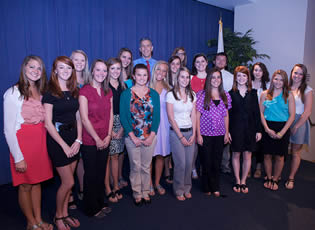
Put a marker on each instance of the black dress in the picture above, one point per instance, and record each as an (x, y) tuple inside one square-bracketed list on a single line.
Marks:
[(64, 113), (244, 117)]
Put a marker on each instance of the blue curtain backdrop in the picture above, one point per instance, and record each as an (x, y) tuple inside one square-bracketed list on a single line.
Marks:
[(50, 28)]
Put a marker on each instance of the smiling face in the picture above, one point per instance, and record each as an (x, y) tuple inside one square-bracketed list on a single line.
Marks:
[(63, 71), (161, 72), (141, 77), (183, 79), (175, 65), (241, 79), (297, 75), (216, 80), (258, 72), (201, 64), (114, 71), (181, 54), (220, 62), (146, 49), (33, 70), (278, 81), (99, 72), (125, 59), (78, 60)]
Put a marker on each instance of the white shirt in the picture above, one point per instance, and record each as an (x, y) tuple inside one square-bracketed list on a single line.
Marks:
[(227, 80), (299, 106), (182, 110), (12, 108)]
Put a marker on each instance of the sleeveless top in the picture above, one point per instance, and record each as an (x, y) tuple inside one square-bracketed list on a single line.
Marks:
[(276, 109), (298, 101)]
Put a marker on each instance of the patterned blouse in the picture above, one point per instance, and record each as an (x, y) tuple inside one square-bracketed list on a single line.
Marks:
[(141, 114)]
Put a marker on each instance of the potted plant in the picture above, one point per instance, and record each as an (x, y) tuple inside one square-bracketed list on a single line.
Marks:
[(238, 47)]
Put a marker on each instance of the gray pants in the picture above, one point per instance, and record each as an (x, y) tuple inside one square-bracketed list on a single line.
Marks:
[(225, 164), (182, 157), (140, 159)]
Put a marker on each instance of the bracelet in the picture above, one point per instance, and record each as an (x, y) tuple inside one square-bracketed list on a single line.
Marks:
[(181, 137), (80, 142), (279, 134)]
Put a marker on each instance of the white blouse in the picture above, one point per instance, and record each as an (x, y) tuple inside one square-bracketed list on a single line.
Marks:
[(299, 105), (12, 108)]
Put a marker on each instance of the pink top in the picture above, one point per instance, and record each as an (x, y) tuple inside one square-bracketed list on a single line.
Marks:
[(212, 120), (99, 108), (33, 111), (197, 83)]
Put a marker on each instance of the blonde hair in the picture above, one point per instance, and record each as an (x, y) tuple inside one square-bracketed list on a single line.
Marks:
[(153, 76)]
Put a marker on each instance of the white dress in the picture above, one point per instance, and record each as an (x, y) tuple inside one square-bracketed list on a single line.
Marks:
[(163, 141)]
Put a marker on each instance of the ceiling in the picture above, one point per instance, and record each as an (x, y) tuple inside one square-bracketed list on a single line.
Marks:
[(227, 4)]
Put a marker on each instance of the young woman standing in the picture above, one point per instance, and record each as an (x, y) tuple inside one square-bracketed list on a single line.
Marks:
[(180, 104), (300, 129), (140, 117), (25, 134), (277, 109), (63, 123), (245, 125), (212, 108), (174, 64)]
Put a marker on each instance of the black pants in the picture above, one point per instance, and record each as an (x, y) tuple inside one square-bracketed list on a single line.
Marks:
[(211, 157), (94, 162)]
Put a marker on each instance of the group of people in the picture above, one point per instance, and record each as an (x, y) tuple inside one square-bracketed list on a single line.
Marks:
[(87, 120)]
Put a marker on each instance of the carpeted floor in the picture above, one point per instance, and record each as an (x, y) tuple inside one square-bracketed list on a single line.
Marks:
[(261, 209)]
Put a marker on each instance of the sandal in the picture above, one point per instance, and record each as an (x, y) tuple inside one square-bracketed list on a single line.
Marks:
[(236, 188), (169, 179), (257, 173), (112, 197), (32, 227), (217, 194), (71, 221), (274, 185), (65, 224), (180, 198), (160, 189), (188, 195), (45, 226), (122, 183), (118, 194), (267, 182), (71, 204), (244, 188), (151, 193), (289, 184)]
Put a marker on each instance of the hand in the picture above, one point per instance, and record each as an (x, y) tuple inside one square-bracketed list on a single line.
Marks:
[(227, 138), (114, 135), (107, 141), (258, 137), (75, 147), (120, 133), (184, 141), (148, 141), (68, 151), (199, 140), (191, 139), (136, 141), (271, 133), (293, 130), (100, 144), (21, 166)]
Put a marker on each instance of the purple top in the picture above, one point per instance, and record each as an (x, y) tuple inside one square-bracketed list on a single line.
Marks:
[(212, 120)]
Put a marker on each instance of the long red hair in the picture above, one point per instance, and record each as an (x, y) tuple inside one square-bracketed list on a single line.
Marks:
[(53, 84)]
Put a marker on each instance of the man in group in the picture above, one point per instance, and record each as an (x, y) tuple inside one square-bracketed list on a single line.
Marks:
[(146, 52), (220, 61)]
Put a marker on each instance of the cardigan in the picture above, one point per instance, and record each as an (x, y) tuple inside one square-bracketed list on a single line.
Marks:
[(125, 114)]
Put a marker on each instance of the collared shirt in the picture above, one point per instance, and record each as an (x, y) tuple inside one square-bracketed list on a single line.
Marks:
[(141, 60), (227, 80)]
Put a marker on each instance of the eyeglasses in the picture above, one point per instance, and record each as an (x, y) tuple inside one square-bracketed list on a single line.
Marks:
[(180, 53)]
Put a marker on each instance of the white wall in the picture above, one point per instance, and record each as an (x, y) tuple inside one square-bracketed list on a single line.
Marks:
[(279, 28)]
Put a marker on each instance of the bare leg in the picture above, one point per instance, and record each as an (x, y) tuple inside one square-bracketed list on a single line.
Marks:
[(296, 159), (278, 167), (159, 163), (108, 189), (25, 202), (167, 165), (247, 161), (36, 194), (268, 169), (236, 166), (114, 171)]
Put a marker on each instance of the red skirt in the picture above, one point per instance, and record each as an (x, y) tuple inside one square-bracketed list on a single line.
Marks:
[(32, 142)]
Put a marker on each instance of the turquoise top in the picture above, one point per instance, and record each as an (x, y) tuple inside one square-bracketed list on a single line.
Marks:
[(276, 109), (129, 83)]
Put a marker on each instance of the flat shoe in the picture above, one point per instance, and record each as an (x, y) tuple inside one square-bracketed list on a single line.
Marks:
[(188, 195), (244, 188), (151, 193), (138, 203), (45, 226), (71, 221), (236, 188), (180, 198), (112, 197), (289, 184), (160, 189), (146, 201), (100, 214)]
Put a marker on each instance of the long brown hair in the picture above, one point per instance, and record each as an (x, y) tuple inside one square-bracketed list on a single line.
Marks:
[(265, 76), (285, 88), (105, 84), (208, 89), (244, 70), (129, 67), (175, 53), (53, 84), (188, 89), (303, 84), (24, 85), (113, 61)]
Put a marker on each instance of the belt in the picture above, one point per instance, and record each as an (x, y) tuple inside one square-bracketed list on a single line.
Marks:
[(183, 129)]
